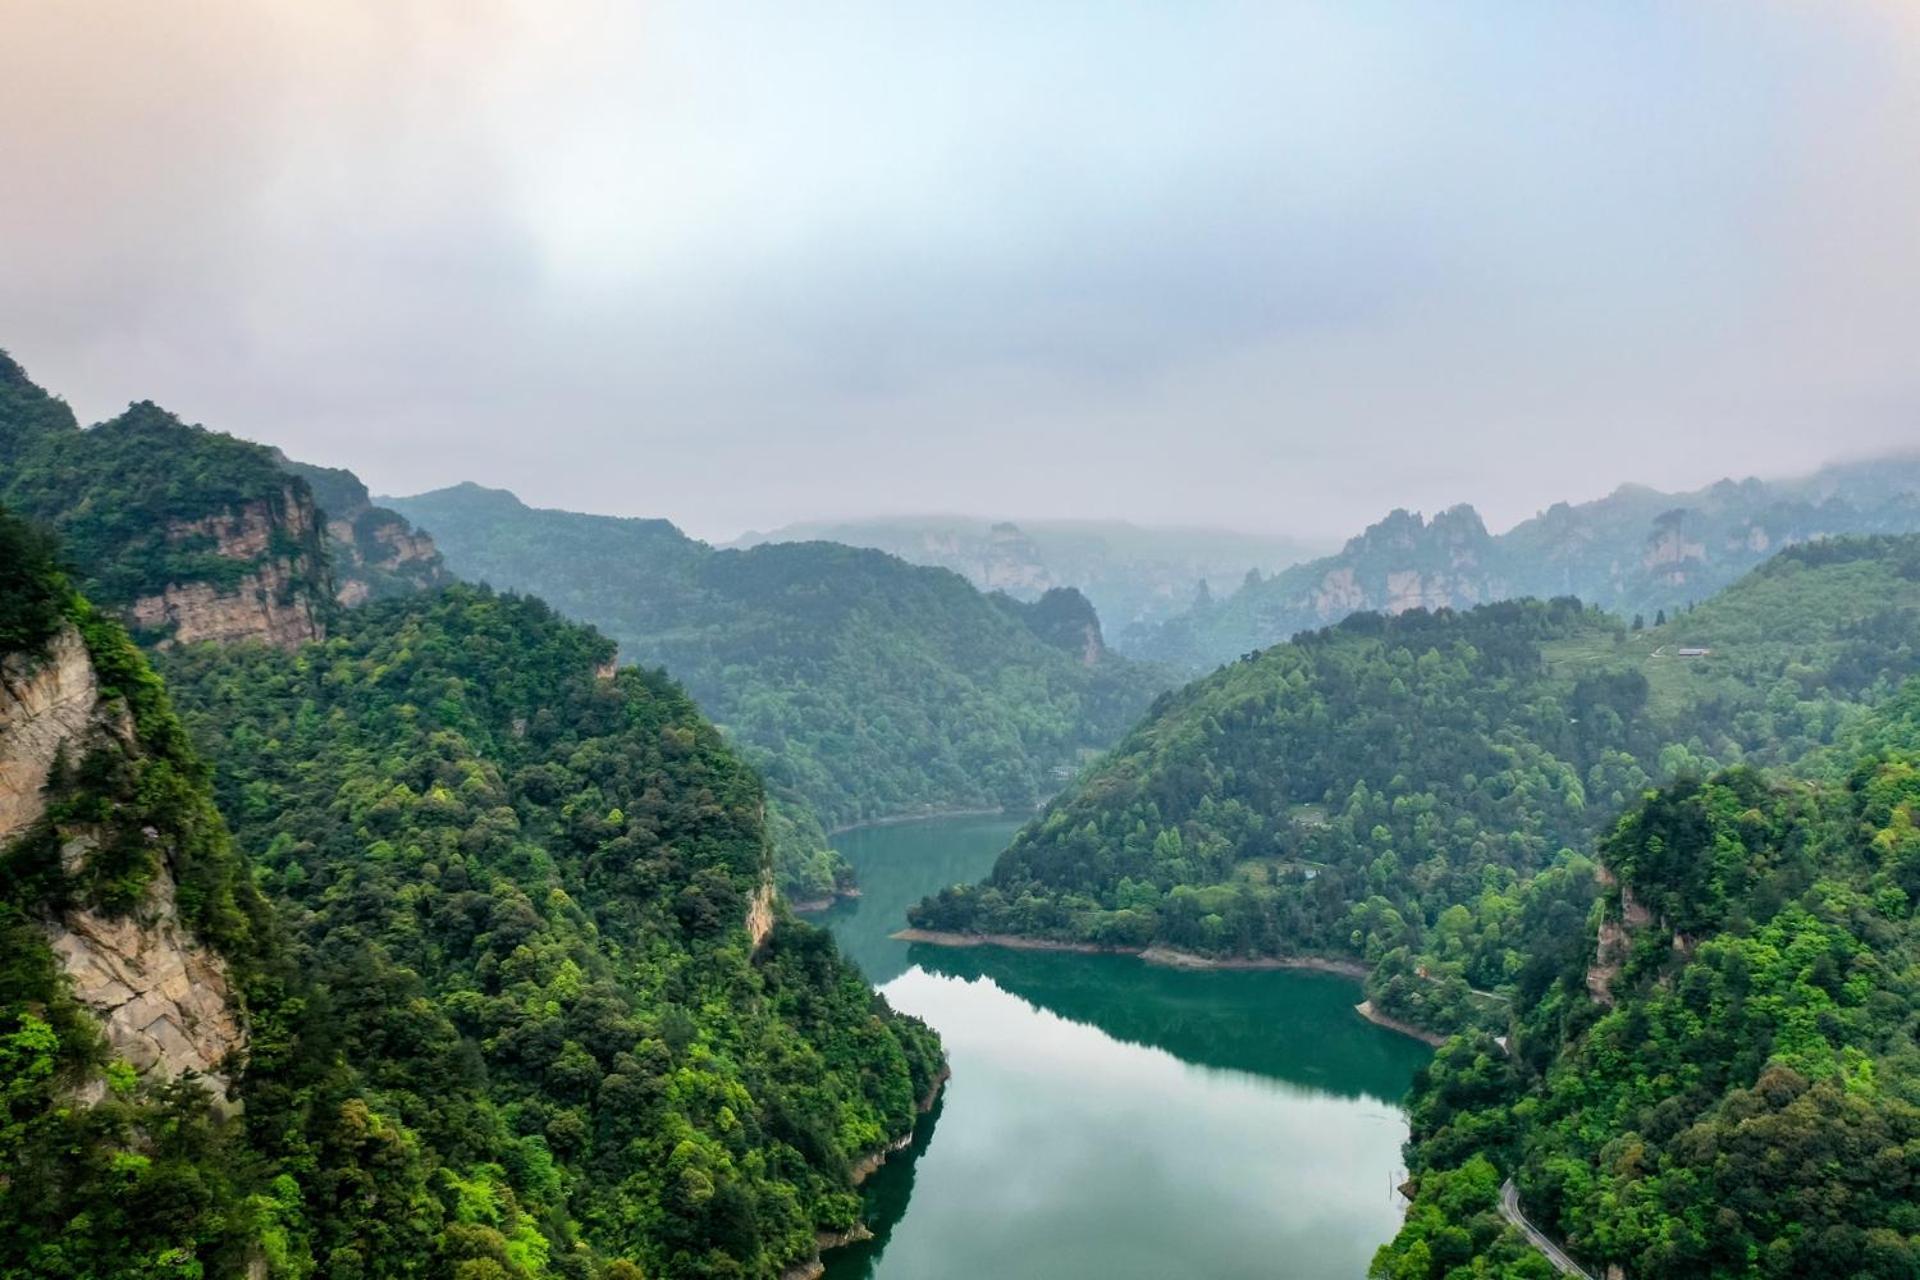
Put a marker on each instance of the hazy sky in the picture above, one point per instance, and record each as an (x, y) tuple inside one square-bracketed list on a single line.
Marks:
[(1276, 265)]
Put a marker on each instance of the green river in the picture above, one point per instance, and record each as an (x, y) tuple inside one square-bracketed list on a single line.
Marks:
[(1111, 1120)]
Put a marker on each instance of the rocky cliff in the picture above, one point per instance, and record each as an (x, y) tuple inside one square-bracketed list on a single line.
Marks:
[(164, 999), (46, 703), (274, 591), (1621, 916), (1063, 618), (377, 553), (189, 534)]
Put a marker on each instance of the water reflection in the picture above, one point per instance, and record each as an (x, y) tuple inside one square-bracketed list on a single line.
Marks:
[(1108, 1118), (1290, 1025)]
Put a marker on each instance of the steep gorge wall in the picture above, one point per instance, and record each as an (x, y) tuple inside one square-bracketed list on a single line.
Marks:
[(164, 1000), (45, 705)]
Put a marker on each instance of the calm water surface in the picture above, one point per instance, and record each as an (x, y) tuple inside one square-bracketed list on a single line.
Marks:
[(1108, 1119)]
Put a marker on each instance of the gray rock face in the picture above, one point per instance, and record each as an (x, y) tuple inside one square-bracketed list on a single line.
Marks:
[(270, 604), (45, 703), (164, 1000)]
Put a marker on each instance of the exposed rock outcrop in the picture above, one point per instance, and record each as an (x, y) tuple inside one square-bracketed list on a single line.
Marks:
[(1615, 938), (276, 601), (268, 606), (45, 703), (377, 553), (1609, 955), (164, 1000), (1063, 618), (760, 911)]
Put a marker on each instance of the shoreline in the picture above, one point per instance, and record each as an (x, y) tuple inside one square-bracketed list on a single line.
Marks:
[(1166, 957), (813, 906), (1366, 1010), (823, 1241), (925, 815), (1172, 958)]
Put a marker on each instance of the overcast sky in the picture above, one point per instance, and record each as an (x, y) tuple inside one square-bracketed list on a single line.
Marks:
[(1281, 266)]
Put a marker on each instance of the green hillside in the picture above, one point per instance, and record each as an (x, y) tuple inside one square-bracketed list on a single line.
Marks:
[(1726, 1084), (525, 888), (1380, 789), (862, 686)]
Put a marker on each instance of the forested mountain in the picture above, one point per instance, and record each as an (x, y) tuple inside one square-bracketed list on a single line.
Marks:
[(188, 533), (1636, 551), (861, 685), (1135, 575), (539, 901), (491, 960), (1725, 1083), (194, 534), (1379, 789)]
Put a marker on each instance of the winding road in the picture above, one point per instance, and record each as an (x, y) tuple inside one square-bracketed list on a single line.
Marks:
[(1510, 1210)]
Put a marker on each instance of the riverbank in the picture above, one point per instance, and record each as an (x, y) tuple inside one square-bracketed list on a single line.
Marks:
[(813, 906), (824, 1241), (1168, 957), (925, 815), (1172, 958), (1366, 1010), (1010, 941)]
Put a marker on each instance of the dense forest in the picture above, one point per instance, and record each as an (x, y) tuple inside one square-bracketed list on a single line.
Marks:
[(498, 921), (860, 685), (1637, 550), (523, 886), (506, 1017), (1383, 789), (1732, 1089)]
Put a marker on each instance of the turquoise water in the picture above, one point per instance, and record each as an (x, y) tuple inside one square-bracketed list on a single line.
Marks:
[(1111, 1119)]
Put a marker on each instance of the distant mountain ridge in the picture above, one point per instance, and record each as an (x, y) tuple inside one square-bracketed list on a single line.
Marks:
[(1638, 550), (1135, 575)]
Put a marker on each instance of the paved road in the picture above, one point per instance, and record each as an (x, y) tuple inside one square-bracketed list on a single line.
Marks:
[(1510, 1210)]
